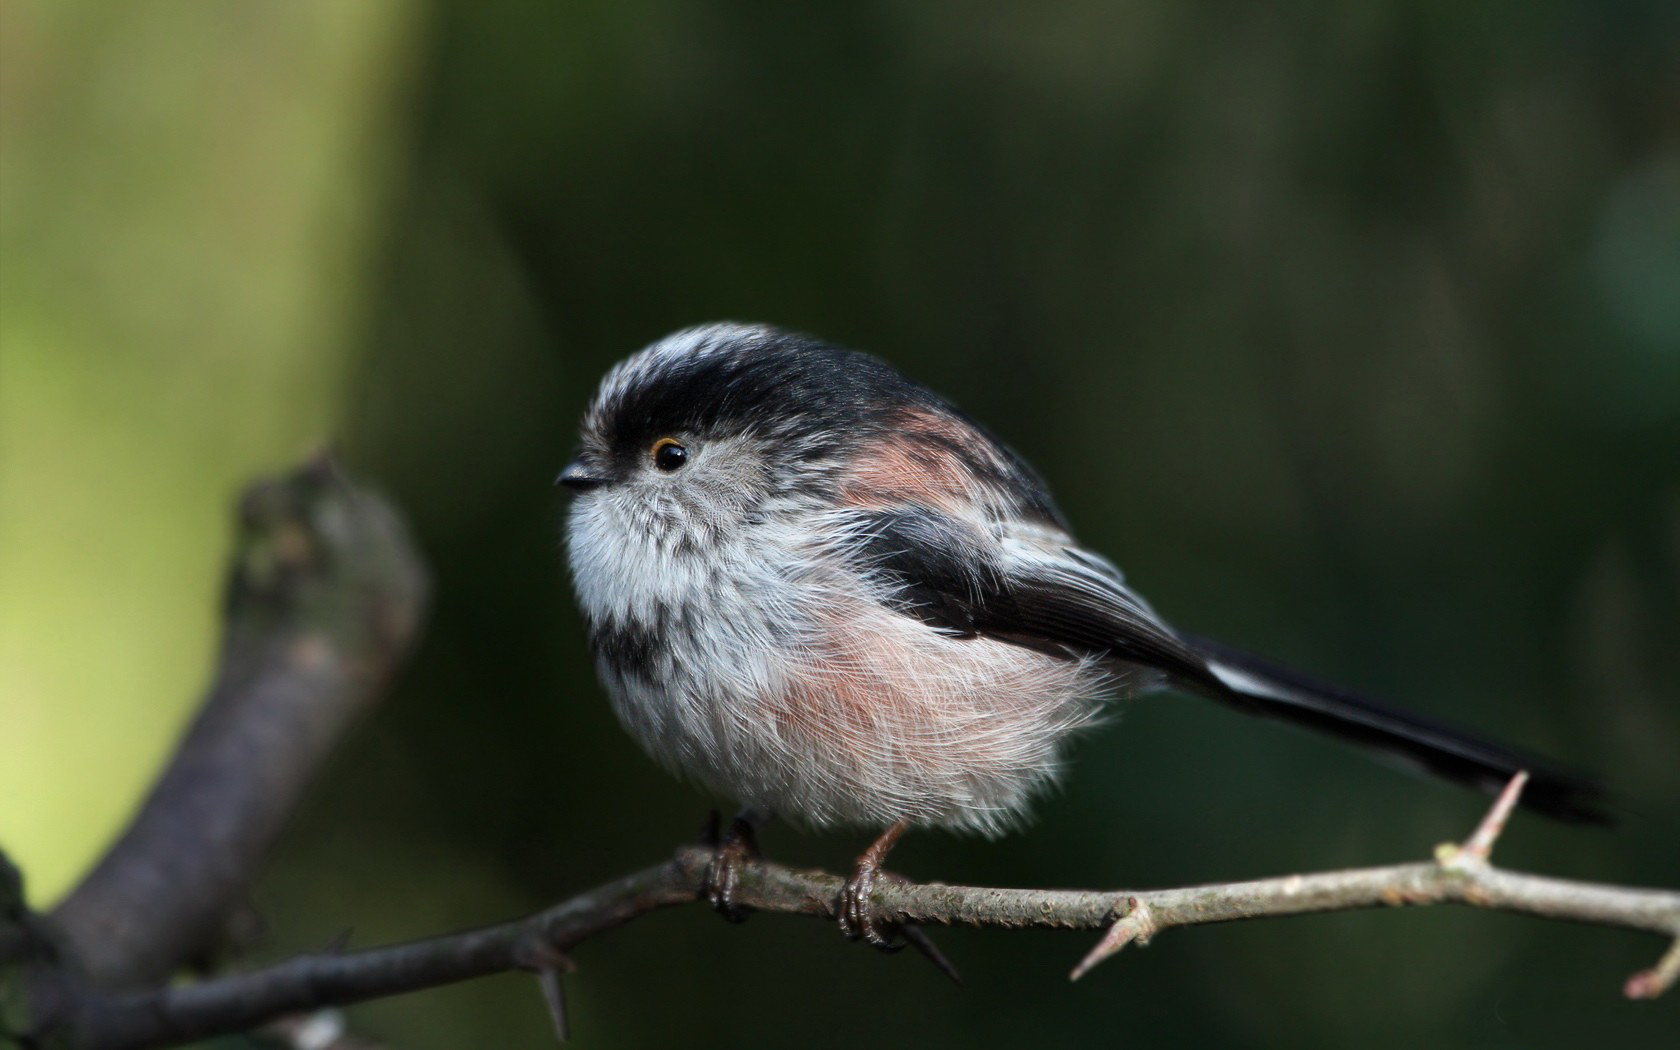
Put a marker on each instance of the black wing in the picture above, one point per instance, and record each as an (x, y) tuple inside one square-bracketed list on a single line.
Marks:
[(947, 574)]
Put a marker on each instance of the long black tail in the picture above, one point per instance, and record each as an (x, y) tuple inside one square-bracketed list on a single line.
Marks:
[(1264, 688)]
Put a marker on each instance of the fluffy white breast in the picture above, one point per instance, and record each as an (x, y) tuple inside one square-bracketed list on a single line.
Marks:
[(781, 682)]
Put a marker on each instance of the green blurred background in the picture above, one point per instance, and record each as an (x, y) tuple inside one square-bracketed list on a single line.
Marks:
[(1352, 332)]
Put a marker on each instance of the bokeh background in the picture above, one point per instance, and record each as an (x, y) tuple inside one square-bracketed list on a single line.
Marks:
[(1351, 331)]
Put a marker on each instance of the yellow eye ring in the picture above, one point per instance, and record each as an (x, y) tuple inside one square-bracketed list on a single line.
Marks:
[(669, 454)]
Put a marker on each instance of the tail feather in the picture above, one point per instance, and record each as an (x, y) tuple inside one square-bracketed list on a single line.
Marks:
[(1264, 688)]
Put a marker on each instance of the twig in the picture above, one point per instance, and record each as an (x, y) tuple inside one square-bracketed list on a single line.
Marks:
[(1478, 848), (325, 594), (230, 1004), (1460, 874), (1648, 984), (243, 1001)]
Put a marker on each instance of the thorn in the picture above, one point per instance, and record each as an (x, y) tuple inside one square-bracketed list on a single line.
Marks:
[(920, 941), (1648, 984), (554, 997), (549, 963), (1479, 846), (1137, 924)]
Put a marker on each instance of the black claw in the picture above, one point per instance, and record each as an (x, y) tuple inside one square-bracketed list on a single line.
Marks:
[(874, 936)]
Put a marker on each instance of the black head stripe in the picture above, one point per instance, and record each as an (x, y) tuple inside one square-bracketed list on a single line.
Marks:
[(770, 382)]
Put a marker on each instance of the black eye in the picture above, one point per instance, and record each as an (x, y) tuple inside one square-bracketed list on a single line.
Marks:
[(669, 455)]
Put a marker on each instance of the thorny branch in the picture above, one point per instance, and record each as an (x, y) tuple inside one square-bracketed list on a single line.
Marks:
[(1457, 875), (325, 597)]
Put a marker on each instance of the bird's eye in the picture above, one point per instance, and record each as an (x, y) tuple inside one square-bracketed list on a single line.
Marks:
[(669, 455)]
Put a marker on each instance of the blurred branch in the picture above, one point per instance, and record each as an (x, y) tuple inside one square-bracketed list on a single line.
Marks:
[(325, 595), (1457, 875)]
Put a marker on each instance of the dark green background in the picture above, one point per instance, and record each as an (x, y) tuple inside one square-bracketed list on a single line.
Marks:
[(1351, 331)]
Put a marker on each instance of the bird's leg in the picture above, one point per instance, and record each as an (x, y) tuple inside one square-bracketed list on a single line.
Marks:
[(856, 913), (735, 847)]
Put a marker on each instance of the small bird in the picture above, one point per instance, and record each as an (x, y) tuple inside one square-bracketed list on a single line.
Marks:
[(818, 588)]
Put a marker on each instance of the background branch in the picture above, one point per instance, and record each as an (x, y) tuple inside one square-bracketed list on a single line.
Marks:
[(1455, 876), (324, 597)]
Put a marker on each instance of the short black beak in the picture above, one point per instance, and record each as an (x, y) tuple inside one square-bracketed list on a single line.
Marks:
[(578, 477)]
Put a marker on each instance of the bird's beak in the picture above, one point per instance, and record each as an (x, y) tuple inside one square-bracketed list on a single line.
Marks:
[(580, 476)]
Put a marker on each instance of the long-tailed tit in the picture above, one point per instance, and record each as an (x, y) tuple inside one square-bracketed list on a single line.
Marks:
[(817, 587)]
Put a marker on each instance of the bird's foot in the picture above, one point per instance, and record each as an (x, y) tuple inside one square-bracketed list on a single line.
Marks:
[(856, 911), (730, 851)]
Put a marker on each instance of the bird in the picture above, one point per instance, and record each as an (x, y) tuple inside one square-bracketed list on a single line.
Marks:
[(815, 586)]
